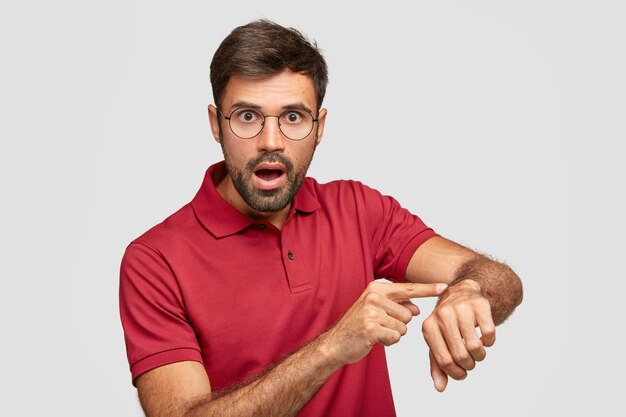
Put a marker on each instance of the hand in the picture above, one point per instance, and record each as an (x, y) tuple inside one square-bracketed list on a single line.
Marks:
[(450, 332), (379, 315)]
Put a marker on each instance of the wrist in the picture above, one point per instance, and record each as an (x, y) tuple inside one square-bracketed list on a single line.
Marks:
[(466, 283), (461, 288), (327, 352)]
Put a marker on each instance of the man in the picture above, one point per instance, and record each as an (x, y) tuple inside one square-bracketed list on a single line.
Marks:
[(259, 297)]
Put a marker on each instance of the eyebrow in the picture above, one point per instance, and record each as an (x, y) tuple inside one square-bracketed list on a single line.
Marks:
[(244, 104), (297, 106), (247, 104)]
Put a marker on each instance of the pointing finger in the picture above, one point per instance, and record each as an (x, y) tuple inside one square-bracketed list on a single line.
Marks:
[(406, 290)]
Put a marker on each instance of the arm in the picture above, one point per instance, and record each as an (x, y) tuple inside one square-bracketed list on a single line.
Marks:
[(379, 315), (183, 388), (482, 293)]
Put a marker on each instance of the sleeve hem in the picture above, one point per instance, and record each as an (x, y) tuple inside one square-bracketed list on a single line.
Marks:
[(409, 250), (163, 358)]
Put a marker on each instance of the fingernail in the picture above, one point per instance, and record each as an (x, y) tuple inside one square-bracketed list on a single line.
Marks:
[(442, 287)]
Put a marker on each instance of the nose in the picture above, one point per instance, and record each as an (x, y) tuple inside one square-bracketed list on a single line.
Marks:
[(271, 138)]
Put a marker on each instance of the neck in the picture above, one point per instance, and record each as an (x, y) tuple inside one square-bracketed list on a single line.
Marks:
[(228, 192)]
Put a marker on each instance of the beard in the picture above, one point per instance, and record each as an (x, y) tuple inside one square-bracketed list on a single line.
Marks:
[(266, 201)]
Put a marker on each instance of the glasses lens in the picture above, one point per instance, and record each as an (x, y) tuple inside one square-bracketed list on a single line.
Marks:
[(296, 124), (246, 123)]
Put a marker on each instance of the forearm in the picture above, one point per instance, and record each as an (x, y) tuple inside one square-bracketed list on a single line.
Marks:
[(282, 390), (183, 389), (498, 283)]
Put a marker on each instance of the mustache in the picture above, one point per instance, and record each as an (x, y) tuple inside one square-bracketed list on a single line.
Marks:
[(269, 158)]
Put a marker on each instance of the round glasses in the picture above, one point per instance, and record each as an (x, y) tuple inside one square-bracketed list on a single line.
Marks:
[(246, 123)]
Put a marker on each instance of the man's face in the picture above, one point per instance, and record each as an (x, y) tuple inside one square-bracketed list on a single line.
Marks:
[(266, 171)]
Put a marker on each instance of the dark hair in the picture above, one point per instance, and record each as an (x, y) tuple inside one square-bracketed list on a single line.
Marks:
[(263, 48)]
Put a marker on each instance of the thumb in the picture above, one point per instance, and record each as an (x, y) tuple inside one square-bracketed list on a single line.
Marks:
[(440, 378)]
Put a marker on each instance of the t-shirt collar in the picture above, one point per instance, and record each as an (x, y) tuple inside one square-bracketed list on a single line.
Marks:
[(222, 219)]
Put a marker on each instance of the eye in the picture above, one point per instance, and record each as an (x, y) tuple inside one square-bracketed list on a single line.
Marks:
[(247, 116), (292, 117)]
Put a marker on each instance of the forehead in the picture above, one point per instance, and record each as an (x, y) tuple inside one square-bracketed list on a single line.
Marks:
[(271, 93)]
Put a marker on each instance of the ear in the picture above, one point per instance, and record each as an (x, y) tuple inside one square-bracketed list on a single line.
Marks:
[(321, 120), (214, 122)]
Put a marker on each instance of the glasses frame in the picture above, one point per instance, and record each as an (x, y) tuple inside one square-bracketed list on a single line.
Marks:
[(315, 120)]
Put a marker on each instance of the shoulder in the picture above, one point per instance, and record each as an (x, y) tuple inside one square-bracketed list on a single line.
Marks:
[(175, 228), (341, 188), (154, 257), (346, 193)]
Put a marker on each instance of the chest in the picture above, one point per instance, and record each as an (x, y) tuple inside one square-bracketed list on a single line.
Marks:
[(257, 295)]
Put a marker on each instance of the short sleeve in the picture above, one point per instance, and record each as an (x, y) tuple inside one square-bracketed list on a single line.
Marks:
[(395, 234), (156, 329)]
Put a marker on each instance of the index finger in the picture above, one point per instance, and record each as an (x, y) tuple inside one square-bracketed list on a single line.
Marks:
[(406, 290)]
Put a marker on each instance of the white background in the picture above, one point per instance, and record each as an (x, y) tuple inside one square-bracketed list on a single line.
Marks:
[(500, 123)]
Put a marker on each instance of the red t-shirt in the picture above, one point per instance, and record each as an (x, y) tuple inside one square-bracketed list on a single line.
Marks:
[(214, 286)]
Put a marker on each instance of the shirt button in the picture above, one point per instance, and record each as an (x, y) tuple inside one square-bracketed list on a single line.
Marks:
[(261, 226), (290, 255)]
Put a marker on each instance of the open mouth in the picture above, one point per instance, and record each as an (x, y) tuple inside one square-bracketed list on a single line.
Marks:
[(269, 176)]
